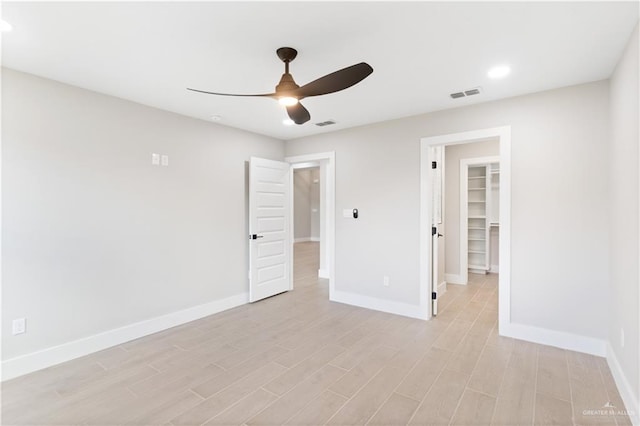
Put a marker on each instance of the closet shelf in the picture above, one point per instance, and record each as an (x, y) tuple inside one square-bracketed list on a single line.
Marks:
[(480, 201), (477, 177), (476, 252), (477, 217), (477, 239), (477, 189)]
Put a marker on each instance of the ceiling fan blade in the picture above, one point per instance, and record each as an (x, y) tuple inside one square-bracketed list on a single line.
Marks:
[(268, 95), (298, 113), (335, 81)]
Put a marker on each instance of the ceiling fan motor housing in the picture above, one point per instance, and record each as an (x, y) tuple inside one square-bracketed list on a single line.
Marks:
[(286, 85)]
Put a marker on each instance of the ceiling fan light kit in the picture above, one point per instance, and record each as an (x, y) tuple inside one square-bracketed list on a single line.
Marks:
[(289, 94)]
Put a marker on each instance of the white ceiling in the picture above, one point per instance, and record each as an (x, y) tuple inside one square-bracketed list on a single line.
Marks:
[(150, 52)]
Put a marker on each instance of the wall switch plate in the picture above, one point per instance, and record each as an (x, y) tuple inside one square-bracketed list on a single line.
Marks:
[(165, 160), (19, 326), (155, 159), (385, 281), (348, 213)]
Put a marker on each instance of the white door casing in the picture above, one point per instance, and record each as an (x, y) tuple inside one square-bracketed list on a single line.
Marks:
[(269, 228)]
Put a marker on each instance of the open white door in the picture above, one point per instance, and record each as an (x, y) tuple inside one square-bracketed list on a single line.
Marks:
[(437, 159), (269, 227)]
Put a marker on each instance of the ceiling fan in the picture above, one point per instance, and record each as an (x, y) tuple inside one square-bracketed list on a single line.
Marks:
[(289, 94)]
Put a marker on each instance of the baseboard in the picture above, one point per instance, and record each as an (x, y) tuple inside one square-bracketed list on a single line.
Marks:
[(629, 398), (390, 306), (442, 288), (306, 240), (559, 339), (323, 273), (454, 279), (44, 358), (495, 269)]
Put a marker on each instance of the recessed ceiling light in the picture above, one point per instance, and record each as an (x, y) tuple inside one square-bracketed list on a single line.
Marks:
[(216, 118), (288, 122), (500, 71), (5, 27)]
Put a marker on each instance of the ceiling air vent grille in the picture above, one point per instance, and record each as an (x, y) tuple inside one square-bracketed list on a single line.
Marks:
[(469, 92), (326, 123)]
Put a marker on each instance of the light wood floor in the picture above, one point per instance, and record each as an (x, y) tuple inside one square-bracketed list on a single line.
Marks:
[(299, 359)]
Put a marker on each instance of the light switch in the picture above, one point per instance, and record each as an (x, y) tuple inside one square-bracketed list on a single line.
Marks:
[(155, 159), (165, 160)]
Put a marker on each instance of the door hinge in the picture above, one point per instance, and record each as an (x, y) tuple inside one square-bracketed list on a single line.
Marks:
[(434, 230), (434, 164), (434, 295)]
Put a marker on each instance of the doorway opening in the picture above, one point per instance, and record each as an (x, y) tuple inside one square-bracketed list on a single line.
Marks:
[(465, 218), (306, 224), (313, 220)]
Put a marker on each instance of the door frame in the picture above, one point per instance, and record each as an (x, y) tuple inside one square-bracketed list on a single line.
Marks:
[(329, 211), (503, 134), (464, 213)]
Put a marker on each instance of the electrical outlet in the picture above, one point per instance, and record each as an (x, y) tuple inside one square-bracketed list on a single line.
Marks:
[(385, 281), (622, 337), (165, 160), (155, 159), (19, 326)]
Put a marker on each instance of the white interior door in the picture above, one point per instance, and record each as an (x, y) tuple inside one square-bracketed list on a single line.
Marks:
[(269, 227), (437, 159)]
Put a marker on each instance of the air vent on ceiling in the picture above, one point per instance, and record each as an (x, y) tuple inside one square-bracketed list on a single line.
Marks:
[(469, 92), (326, 123)]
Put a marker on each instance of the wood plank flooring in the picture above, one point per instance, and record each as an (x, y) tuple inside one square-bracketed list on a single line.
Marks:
[(299, 359)]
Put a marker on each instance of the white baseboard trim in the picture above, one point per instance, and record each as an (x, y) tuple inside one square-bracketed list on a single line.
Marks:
[(629, 398), (559, 339), (494, 269), (442, 288), (306, 240), (454, 279), (44, 358), (390, 306), (323, 273)]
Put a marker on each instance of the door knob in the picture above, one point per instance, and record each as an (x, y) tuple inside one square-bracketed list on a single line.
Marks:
[(255, 236)]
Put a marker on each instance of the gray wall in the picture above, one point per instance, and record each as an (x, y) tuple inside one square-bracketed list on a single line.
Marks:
[(302, 204), (93, 236), (624, 213), (314, 203), (559, 139), (306, 204), (453, 155)]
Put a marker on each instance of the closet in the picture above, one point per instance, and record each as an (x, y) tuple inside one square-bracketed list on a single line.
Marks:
[(483, 220)]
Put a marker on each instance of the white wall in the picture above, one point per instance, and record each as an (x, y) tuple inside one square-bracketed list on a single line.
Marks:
[(453, 155), (624, 214), (559, 140), (93, 236)]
